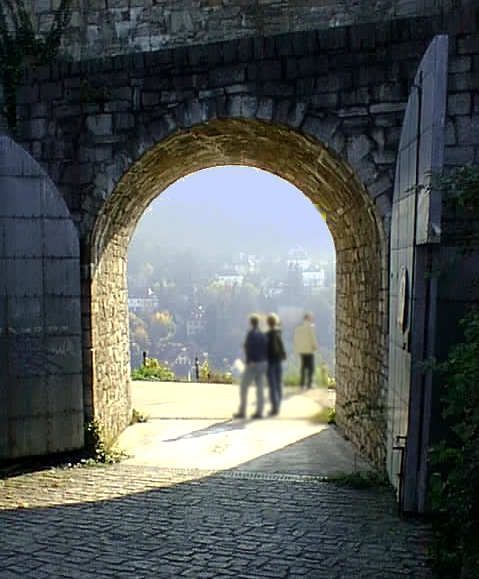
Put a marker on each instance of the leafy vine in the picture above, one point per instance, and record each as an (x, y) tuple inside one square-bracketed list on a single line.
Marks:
[(20, 46)]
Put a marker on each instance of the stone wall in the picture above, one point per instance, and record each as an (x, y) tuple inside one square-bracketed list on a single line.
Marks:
[(103, 128), (319, 84), (100, 28), (457, 272)]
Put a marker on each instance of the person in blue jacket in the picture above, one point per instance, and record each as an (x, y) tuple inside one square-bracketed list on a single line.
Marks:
[(255, 354)]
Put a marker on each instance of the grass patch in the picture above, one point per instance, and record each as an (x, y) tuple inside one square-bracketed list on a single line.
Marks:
[(360, 479), (98, 450), (138, 416), (325, 416)]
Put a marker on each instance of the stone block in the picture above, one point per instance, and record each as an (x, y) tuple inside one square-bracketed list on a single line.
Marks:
[(469, 44), (450, 136), (296, 115), (467, 130), (282, 111), (387, 108), (459, 104), (227, 75), (325, 101), (459, 64), (321, 128), (100, 125), (264, 71), (38, 128), (265, 109), (458, 156), (123, 121)]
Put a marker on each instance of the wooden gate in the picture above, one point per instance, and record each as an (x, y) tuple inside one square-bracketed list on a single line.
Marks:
[(415, 233)]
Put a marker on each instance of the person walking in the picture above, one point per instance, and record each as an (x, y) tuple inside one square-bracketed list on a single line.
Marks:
[(305, 344), (255, 359), (276, 355)]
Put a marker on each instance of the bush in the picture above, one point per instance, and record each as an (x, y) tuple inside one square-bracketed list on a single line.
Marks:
[(153, 370), (455, 461), (98, 450), (360, 480), (138, 416), (211, 374)]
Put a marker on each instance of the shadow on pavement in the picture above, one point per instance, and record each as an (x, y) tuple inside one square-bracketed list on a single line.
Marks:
[(218, 427), (129, 522), (324, 453)]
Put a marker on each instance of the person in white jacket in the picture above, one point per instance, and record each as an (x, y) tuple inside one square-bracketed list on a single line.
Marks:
[(305, 345)]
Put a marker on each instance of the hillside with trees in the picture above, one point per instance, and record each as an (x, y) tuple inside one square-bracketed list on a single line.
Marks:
[(214, 248)]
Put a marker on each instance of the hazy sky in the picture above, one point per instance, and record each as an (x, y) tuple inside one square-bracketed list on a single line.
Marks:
[(245, 198)]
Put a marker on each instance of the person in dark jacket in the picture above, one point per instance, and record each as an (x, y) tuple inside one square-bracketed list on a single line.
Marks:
[(255, 360), (276, 355)]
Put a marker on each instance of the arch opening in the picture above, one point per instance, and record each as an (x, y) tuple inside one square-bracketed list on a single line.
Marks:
[(361, 259), (212, 249)]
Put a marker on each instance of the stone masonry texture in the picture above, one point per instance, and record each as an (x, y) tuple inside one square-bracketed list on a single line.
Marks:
[(126, 522), (314, 101), (321, 108), (101, 28)]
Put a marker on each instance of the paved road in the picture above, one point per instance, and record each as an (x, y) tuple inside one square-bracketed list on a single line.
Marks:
[(190, 425), (133, 521)]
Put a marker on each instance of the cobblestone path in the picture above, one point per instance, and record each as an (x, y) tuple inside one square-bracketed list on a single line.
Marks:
[(132, 522)]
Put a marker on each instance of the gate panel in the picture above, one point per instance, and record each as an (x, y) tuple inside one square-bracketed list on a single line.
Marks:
[(416, 215), (41, 386)]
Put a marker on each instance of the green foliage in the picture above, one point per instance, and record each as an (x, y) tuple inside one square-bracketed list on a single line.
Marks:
[(360, 480), (331, 416), (209, 373), (455, 461), (205, 370), (153, 370), (325, 416), (460, 187), (99, 451), (291, 377), (18, 41), (138, 416)]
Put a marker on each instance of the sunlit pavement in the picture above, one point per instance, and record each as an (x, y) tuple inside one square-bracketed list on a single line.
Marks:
[(190, 426), (153, 517)]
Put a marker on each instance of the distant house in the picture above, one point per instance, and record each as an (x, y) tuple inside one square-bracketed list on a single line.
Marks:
[(196, 322), (180, 357), (298, 259), (313, 278), (195, 327), (230, 278), (276, 289), (141, 304)]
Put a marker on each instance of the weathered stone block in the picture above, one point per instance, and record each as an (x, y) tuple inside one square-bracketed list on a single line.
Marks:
[(38, 128), (265, 109), (467, 130), (386, 108), (459, 104), (100, 125), (459, 64), (123, 121), (227, 75), (469, 44), (457, 156)]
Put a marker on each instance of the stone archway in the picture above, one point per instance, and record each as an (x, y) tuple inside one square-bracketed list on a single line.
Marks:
[(356, 227)]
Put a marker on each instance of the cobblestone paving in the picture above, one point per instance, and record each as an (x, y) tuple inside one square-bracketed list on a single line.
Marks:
[(126, 521)]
